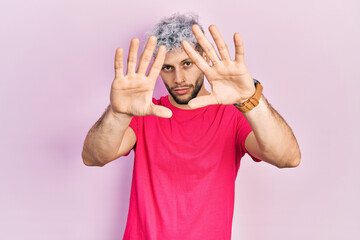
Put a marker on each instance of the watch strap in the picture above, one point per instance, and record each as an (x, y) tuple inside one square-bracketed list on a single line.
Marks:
[(253, 101)]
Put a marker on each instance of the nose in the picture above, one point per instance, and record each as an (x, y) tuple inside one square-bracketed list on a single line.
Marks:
[(179, 77)]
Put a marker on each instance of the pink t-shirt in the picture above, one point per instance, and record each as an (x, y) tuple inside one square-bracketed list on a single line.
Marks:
[(184, 173)]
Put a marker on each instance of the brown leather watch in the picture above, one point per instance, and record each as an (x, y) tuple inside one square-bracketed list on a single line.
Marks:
[(253, 101)]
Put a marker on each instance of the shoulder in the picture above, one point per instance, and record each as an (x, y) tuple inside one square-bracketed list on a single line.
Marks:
[(236, 118), (230, 111), (223, 115)]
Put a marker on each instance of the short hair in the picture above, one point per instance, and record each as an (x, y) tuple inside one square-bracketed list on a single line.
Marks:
[(170, 31)]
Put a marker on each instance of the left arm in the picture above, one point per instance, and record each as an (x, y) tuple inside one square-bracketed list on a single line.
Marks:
[(231, 83), (272, 139)]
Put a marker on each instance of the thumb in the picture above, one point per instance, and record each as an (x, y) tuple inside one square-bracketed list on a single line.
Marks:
[(202, 101), (161, 111)]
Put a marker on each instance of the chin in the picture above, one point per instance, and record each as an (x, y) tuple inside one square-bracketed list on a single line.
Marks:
[(183, 100)]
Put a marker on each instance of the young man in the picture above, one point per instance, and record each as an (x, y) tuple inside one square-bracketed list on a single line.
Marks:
[(188, 145)]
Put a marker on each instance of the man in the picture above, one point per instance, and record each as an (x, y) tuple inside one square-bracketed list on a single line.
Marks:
[(188, 145)]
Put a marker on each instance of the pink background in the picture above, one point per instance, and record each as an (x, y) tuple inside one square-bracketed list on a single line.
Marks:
[(56, 68)]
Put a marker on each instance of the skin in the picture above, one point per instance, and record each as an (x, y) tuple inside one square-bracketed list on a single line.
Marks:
[(271, 140), (131, 95), (182, 71), (180, 74)]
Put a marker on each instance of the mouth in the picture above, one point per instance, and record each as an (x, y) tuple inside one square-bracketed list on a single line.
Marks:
[(182, 90)]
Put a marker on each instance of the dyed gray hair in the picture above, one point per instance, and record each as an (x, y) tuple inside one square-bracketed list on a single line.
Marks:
[(170, 31)]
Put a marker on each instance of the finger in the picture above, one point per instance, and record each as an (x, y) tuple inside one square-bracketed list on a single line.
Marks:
[(220, 43), (161, 111), (132, 57), (205, 44), (119, 63), (202, 101), (239, 48), (196, 57), (157, 64), (147, 54)]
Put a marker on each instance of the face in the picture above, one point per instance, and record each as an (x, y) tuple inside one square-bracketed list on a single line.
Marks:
[(182, 78)]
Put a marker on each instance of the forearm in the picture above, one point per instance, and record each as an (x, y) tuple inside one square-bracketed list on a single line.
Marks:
[(274, 137), (103, 141)]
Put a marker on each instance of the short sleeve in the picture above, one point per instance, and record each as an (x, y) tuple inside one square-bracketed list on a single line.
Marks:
[(134, 124), (243, 130)]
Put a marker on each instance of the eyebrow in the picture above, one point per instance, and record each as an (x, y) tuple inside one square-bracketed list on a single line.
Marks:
[(186, 60), (182, 61)]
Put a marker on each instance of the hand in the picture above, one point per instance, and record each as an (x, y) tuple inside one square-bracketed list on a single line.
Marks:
[(230, 80), (132, 94)]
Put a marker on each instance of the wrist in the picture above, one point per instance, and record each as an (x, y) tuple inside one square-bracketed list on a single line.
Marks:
[(248, 92), (119, 115), (253, 101)]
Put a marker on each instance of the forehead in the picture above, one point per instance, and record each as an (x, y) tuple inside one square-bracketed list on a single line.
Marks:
[(175, 56)]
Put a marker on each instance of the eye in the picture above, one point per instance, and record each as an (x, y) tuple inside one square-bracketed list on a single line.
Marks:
[(187, 64), (167, 68)]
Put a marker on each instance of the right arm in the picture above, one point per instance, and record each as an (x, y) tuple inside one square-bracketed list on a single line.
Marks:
[(131, 95), (109, 138)]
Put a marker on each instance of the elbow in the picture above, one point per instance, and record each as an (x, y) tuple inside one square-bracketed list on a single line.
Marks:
[(90, 161), (291, 162), (296, 162)]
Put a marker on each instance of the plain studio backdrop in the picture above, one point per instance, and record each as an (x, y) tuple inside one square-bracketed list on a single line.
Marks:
[(56, 68)]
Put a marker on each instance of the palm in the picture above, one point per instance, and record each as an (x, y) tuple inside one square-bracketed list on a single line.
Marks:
[(230, 80), (132, 93), (226, 82)]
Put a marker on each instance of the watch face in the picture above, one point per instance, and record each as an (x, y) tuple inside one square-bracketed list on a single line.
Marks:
[(255, 81)]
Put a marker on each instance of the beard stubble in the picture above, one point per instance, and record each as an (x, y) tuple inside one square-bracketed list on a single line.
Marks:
[(198, 84)]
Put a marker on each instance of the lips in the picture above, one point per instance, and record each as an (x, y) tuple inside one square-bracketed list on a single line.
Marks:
[(181, 91)]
